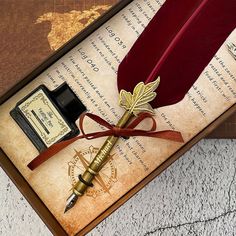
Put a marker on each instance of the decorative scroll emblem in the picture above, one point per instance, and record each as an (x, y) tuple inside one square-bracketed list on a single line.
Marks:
[(232, 49), (105, 179)]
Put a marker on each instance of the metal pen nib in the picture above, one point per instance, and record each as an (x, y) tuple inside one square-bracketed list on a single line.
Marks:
[(71, 201)]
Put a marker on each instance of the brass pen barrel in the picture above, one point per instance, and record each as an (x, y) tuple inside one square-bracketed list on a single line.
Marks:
[(133, 104), (101, 157)]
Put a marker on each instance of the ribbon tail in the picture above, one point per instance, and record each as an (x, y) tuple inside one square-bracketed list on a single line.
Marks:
[(57, 147), (51, 151), (169, 135)]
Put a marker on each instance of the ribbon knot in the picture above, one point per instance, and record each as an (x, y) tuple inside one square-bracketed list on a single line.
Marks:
[(112, 130), (116, 131)]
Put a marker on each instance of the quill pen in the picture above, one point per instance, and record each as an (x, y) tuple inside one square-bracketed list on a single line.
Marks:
[(176, 45), (179, 62)]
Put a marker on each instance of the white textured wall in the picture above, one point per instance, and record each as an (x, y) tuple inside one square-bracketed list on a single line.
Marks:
[(195, 196)]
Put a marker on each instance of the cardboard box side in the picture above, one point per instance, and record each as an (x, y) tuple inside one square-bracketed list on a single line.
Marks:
[(227, 130)]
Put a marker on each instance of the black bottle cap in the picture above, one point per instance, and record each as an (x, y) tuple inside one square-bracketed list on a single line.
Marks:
[(68, 102)]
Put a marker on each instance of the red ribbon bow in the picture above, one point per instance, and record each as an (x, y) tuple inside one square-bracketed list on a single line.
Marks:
[(111, 131)]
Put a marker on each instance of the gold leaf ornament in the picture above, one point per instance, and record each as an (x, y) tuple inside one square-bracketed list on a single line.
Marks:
[(139, 101)]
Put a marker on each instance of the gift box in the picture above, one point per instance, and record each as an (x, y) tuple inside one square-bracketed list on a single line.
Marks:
[(88, 64)]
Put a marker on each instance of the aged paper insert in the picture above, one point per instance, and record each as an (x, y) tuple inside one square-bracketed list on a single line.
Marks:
[(90, 69)]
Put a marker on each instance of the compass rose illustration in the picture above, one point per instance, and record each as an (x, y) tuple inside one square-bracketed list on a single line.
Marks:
[(103, 181)]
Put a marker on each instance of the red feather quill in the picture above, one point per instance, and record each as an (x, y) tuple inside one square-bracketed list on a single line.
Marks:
[(177, 45)]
